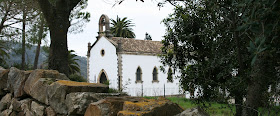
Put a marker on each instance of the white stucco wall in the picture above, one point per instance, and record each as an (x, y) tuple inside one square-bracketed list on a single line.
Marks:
[(147, 64), (108, 62)]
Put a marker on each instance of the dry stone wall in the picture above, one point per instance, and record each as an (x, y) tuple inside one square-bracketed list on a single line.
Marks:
[(50, 93), (45, 93)]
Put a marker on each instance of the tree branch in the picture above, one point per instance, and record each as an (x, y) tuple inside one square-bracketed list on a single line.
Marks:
[(45, 6), (12, 23), (73, 3), (5, 16)]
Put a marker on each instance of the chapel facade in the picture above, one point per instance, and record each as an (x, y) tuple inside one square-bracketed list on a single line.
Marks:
[(129, 64)]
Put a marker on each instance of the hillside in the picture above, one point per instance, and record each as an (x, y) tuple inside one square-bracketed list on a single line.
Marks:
[(30, 56)]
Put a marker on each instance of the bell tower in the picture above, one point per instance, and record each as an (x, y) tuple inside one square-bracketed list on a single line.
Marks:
[(104, 27)]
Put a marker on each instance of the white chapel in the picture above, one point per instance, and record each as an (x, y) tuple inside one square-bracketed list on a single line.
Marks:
[(129, 64)]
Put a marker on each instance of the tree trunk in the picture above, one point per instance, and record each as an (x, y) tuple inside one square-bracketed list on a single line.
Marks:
[(238, 104), (23, 38), (41, 30), (238, 96), (258, 84), (57, 17), (58, 56)]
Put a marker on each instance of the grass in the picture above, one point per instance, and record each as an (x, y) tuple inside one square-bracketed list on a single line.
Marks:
[(273, 111), (218, 109), (212, 108)]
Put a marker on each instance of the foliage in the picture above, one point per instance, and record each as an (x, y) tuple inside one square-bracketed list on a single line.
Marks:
[(3, 53), (219, 109), (122, 28), (79, 17), (196, 44), (148, 36), (106, 82), (34, 30), (8, 13), (77, 77), (28, 66), (208, 41), (57, 14), (72, 62), (111, 90)]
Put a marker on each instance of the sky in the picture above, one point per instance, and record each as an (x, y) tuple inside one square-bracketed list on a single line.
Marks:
[(146, 17)]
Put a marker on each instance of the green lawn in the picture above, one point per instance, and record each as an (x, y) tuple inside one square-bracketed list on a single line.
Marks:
[(217, 109), (214, 109)]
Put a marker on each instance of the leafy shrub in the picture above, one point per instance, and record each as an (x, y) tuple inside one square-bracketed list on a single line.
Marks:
[(77, 77), (106, 82)]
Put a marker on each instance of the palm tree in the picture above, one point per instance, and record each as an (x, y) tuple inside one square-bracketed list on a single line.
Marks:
[(72, 64), (122, 28)]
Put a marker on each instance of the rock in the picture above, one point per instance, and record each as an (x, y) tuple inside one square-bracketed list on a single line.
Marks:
[(73, 86), (38, 81), (2, 93), (6, 112), (99, 108), (113, 106), (38, 90), (13, 113), (40, 73), (5, 102), (78, 102), (193, 112), (16, 81), (109, 106), (18, 108), (21, 113), (37, 109), (50, 112), (3, 81), (16, 105), (150, 107), (25, 107), (58, 90), (56, 95)]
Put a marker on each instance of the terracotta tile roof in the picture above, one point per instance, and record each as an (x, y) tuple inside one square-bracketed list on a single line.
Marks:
[(130, 45)]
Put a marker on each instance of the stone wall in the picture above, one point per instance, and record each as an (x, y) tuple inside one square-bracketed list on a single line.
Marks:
[(50, 93), (45, 92)]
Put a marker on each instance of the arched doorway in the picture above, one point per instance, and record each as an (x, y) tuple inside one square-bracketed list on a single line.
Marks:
[(103, 78)]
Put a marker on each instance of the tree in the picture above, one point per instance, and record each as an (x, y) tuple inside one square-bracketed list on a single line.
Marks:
[(260, 23), (57, 15), (73, 65), (122, 28), (15, 12), (3, 53), (208, 40), (39, 32), (78, 18), (28, 12), (9, 11)]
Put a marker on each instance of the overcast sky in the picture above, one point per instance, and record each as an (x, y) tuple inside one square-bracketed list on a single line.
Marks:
[(146, 17)]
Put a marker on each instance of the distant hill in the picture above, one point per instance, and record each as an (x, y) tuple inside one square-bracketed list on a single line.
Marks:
[(30, 56)]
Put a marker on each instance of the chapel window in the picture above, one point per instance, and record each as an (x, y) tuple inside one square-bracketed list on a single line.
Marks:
[(102, 52), (139, 75), (169, 75), (155, 75)]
